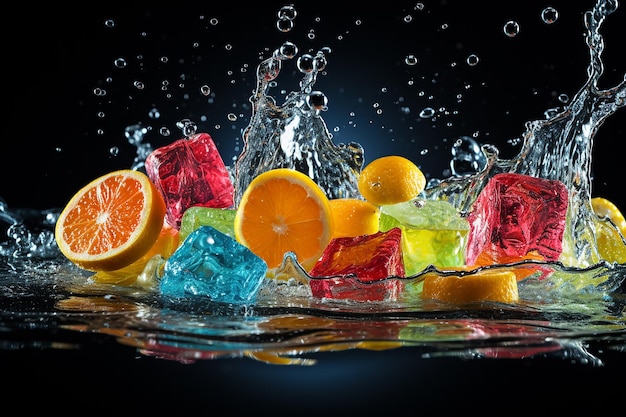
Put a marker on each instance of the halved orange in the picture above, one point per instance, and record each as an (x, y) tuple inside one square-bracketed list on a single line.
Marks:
[(111, 222), (284, 210)]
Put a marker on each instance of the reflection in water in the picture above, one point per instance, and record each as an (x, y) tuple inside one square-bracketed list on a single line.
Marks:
[(286, 327)]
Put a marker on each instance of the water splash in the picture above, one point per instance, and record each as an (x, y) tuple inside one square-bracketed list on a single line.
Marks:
[(294, 135), (559, 148)]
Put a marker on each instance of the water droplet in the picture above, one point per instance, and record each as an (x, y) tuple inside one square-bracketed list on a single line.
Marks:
[(305, 63), (427, 113), (187, 127), (287, 12), (411, 60), (549, 15), (317, 100), (472, 60), (120, 63), (511, 28), (205, 90)]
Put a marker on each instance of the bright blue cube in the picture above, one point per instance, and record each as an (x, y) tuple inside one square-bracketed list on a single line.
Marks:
[(210, 263)]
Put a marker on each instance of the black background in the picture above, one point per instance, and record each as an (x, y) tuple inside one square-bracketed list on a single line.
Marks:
[(58, 133), (55, 57)]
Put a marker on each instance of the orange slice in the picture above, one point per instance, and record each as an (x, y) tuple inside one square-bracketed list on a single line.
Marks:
[(353, 217), (111, 222), (486, 285), (284, 210)]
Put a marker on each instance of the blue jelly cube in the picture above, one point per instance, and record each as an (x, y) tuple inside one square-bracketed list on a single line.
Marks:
[(211, 263)]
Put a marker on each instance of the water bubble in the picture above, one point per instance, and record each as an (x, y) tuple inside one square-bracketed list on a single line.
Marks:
[(609, 6), (419, 6), (284, 25), (99, 91), (114, 151), (164, 131), (109, 23), (288, 50), (164, 59), (467, 156), (472, 60), (511, 28), (408, 18), (205, 90), (549, 15), (232, 117), (287, 12), (317, 100), (305, 63), (213, 21), (120, 63), (139, 85), (411, 60), (187, 127), (563, 98), (320, 62), (427, 113)]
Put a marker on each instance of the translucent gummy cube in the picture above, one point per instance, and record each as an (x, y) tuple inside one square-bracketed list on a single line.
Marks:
[(433, 233), (190, 172), (211, 264)]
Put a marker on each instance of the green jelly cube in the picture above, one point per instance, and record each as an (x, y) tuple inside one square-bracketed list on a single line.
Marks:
[(433, 233), (221, 219)]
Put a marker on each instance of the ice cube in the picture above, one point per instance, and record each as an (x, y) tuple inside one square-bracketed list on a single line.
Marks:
[(211, 263), (517, 216), (358, 268), (433, 233), (190, 172)]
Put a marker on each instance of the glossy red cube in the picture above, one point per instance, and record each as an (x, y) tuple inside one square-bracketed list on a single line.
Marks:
[(190, 172), (516, 215), (362, 268)]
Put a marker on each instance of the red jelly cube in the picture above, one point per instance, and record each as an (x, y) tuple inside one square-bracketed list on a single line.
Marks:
[(360, 268), (190, 172), (516, 216)]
